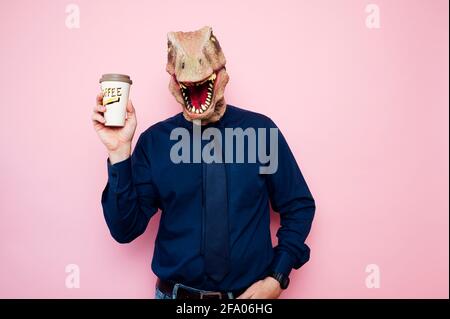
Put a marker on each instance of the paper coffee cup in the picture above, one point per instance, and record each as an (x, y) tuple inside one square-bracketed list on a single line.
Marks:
[(115, 88)]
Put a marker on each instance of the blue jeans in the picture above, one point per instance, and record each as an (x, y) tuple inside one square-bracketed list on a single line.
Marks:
[(161, 295)]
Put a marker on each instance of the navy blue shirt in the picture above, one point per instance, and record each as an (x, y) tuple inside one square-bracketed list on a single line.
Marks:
[(150, 180)]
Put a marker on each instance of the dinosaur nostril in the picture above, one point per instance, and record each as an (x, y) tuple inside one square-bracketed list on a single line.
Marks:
[(200, 61), (182, 65)]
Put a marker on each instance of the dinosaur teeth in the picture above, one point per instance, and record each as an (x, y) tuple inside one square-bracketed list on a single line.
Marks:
[(208, 87), (211, 78)]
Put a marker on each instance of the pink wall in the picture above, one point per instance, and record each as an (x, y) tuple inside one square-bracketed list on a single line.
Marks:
[(364, 110)]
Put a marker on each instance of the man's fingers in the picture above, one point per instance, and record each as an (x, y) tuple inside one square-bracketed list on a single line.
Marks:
[(99, 105), (97, 117), (246, 294), (130, 107), (99, 108), (251, 291), (100, 98)]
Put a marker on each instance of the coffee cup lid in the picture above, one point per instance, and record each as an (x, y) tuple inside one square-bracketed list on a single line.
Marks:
[(116, 77)]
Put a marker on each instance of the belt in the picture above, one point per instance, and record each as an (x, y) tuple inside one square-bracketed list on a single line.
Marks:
[(184, 292)]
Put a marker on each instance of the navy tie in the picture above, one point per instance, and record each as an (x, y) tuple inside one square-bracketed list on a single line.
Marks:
[(216, 250)]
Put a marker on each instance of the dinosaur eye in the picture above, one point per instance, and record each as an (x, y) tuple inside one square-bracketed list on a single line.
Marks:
[(182, 65), (215, 43), (212, 37)]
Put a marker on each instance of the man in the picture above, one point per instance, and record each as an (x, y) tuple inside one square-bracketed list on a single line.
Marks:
[(214, 236)]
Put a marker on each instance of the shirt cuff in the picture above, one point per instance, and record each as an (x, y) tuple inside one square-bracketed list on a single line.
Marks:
[(119, 175), (282, 263)]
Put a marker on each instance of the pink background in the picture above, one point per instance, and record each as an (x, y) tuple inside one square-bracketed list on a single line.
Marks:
[(365, 112)]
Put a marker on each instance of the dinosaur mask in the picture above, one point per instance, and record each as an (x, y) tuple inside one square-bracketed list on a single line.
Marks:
[(196, 64)]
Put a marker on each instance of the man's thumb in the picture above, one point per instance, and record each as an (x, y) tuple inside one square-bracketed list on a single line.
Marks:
[(130, 107)]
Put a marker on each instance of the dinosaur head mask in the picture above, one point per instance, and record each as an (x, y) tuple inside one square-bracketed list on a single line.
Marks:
[(196, 64)]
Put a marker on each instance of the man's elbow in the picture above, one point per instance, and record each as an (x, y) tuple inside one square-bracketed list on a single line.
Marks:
[(308, 203), (313, 204), (122, 238)]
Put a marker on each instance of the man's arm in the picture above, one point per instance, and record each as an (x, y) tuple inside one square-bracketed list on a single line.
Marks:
[(129, 198), (291, 198)]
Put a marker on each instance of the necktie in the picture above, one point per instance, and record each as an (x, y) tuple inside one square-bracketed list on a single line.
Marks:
[(216, 250)]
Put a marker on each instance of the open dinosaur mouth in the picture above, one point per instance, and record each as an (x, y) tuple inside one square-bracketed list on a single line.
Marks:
[(198, 96)]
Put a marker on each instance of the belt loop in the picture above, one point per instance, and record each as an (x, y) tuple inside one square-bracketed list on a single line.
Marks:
[(175, 291)]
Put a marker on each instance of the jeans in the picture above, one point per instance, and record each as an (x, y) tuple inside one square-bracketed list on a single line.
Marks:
[(161, 295)]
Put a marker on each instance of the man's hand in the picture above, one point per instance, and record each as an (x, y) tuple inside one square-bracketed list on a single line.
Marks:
[(116, 139), (268, 288)]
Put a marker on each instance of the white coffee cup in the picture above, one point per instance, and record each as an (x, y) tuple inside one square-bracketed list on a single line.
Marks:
[(116, 89)]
